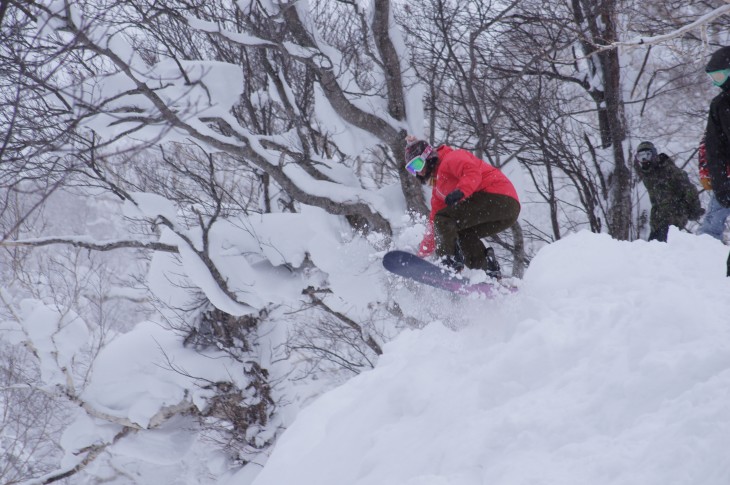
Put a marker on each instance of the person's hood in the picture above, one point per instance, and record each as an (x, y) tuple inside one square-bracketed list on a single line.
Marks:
[(719, 60)]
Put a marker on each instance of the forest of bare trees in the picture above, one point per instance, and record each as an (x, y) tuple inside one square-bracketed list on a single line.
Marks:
[(227, 111)]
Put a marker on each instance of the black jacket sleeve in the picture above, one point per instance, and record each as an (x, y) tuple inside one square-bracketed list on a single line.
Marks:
[(717, 144)]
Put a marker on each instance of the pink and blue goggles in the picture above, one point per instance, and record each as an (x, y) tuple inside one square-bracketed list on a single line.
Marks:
[(416, 164)]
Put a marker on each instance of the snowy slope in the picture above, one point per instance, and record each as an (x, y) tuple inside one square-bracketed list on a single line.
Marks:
[(612, 366)]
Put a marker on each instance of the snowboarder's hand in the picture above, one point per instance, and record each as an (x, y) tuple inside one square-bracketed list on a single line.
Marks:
[(454, 197)]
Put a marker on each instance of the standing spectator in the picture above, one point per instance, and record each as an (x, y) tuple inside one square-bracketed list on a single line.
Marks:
[(714, 222), (717, 134), (674, 200)]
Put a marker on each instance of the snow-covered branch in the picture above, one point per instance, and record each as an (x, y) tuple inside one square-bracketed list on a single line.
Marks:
[(88, 243), (91, 453), (162, 415), (257, 150), (658, 39)]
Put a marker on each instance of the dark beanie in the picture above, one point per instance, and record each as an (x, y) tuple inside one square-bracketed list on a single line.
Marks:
[(414, 149), (646, 145), (720, 60)]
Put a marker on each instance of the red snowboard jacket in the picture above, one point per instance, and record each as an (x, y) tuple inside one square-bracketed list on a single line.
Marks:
[(460, 169)]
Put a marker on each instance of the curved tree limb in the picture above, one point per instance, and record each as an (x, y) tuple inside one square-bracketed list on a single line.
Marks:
[(92, 245)]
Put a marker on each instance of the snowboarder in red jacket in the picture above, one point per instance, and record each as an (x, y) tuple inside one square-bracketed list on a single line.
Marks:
[(470, 200)]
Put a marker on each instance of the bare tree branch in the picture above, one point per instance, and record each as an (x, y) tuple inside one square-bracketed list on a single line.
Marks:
[(93, 245), (311, 292)]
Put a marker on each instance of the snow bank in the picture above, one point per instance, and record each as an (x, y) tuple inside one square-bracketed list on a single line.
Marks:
[(611, 366)]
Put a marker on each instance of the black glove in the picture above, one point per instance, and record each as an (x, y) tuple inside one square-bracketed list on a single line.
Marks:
[(696, 214), (454, 197)]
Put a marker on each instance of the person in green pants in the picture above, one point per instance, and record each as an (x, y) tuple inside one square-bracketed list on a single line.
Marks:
[(674, 199)]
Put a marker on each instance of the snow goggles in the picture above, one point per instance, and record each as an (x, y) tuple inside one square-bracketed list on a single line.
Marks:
[(644, 155), (719, 77), (416, 164)]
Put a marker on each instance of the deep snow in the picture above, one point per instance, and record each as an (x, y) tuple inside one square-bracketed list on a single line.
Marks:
[(611, 366)]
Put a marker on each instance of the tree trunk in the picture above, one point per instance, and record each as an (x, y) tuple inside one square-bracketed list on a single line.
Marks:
[(620, 195), (598, 17)]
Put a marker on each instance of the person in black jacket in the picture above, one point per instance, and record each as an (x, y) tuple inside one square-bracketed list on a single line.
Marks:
[(717, 135), (674, 200)]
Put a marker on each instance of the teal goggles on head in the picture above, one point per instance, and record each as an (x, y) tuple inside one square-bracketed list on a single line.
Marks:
[(719, 77), (415, 165)]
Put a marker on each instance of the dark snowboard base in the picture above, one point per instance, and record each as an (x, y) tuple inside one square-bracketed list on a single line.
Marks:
[(408, 265)]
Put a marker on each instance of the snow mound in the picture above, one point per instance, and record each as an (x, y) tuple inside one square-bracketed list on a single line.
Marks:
[(611, 366)]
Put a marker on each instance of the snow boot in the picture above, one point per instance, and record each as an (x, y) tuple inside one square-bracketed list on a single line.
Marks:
[(491, 266), (454, 262)]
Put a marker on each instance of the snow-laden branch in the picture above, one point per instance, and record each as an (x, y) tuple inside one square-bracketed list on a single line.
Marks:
[(658, 39), (162, 415), (92, 452), (254, 149), (56, 341), (89, 243), (175, 98)]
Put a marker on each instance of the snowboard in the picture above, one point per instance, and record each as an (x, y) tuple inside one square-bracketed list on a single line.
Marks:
[(410, 266)]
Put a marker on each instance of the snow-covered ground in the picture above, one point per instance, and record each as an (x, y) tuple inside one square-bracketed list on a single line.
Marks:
[(611, 366)]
